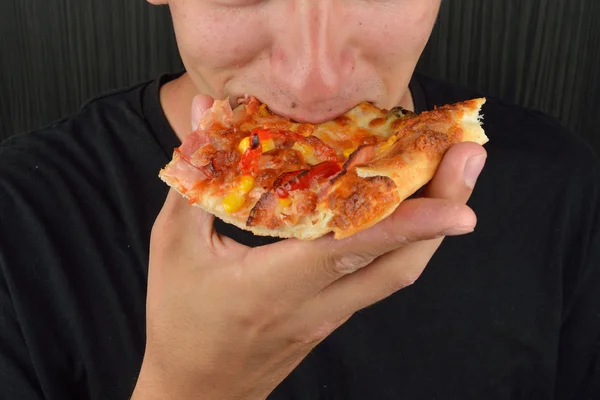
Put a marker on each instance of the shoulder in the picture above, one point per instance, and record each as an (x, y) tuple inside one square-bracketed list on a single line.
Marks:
[(57, 179), (85, 143), (97, 114)]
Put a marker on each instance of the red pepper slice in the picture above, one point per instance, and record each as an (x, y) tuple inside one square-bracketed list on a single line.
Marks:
[(277, 134), (306, 178), (262, 133), (250, 158)]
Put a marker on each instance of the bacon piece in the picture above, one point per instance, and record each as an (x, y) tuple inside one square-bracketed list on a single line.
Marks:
[(222, 161), (362, 155), (193, 142), (220, 114), (183, 174), (202, 156)]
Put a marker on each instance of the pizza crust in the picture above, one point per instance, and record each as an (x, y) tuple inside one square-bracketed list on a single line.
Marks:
[(411, 166)]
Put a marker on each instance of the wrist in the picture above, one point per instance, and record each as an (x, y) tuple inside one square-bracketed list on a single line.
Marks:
[(153, 383), (158, 382)]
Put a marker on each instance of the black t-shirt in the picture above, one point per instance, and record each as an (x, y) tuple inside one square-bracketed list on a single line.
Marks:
[(511, 311)]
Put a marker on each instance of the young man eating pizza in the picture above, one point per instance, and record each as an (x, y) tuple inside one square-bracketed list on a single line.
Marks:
[(113, 286)]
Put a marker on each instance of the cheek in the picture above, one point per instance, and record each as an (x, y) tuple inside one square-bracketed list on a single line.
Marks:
[(217, 40), (400, 35)]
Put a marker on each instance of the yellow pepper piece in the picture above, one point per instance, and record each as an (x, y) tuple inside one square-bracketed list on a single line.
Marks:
[(348, 152), (244, 144), (388, 143), (233, 202), (246, 184), (263, 111), (285, 201), (304, 149), (267, 145)]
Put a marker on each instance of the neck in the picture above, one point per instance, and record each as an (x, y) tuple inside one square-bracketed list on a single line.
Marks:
[(176, 98)]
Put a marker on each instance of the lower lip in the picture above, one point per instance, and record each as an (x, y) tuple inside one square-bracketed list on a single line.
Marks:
[(292, 115), (320, 117)]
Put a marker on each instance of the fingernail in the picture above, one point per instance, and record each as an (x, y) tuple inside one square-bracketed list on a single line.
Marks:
[(457, 231), (473, 168)]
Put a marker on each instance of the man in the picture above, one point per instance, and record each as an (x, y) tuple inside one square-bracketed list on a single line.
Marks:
[(112, 287)]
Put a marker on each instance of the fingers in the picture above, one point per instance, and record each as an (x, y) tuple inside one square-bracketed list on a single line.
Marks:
[(393, 271), (180, 226), (312, 266), (387, 275)]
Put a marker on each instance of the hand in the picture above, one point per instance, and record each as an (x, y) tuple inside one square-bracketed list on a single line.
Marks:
[(225, 321)]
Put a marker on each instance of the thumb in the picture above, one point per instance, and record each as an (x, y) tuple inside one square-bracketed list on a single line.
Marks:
[(200, 104), (178, 223), (458, 172), (177, 219)]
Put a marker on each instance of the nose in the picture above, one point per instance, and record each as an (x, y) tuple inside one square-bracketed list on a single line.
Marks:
[(311, 58)]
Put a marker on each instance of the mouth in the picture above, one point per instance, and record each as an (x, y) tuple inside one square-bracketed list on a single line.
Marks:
[(301, 113), (310, 116)]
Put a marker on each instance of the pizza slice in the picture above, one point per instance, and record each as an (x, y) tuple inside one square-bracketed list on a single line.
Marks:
[(276, 177)]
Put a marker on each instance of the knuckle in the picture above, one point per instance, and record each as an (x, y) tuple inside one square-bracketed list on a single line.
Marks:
[(310, 339), (161, 228), (391, 238), (162, 240), (315, 335), (157, 226), (260, 315), (349, 263), (403, 281)]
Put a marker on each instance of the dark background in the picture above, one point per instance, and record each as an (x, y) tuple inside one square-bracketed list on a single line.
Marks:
[(55, 54)]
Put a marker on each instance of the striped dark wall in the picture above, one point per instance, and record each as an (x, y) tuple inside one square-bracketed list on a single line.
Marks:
[(55, 54)]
